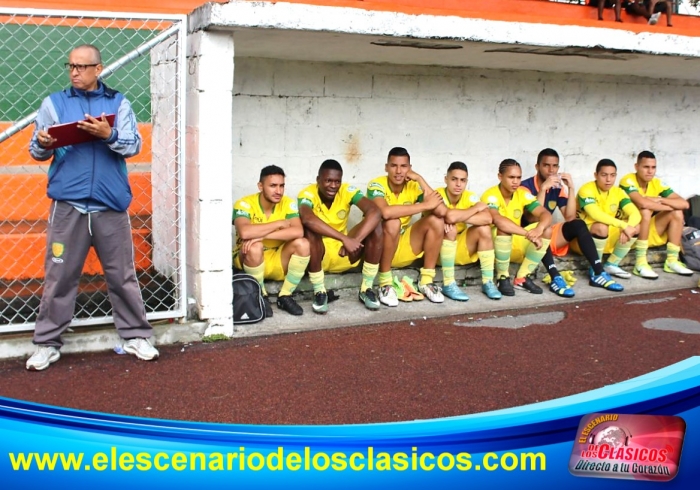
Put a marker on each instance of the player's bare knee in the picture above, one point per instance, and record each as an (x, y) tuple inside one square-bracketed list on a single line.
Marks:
[(451, 235), (300, 246), (677, 215), (646, 214), (392, 227), (599, 229)]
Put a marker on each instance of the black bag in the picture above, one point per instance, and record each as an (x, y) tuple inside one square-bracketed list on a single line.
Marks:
[(248, 306), (690, 243)]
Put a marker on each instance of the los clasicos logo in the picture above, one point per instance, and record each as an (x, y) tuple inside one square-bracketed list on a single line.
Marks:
[(628, 446)]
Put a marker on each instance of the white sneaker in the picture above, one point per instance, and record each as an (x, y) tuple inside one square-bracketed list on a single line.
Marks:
[(141, 348), (677, 267), (654, 18), (645, 271), (43, 357), (432, 292), (387, 296), (616, 271)]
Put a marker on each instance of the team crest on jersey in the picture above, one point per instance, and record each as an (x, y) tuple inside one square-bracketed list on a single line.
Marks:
[(517, 214), (293, 206), (341, 214), (613, 208), (473, 198), (352, 188), (551, 205)]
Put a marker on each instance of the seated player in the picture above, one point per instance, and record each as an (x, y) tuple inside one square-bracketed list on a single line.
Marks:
[(399, 195), (507, 202), (555, 190), (270, 241), (467, 234), (324, 208), (662, 217), (600, 202)]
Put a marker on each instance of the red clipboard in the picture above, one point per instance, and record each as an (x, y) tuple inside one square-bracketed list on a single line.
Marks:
[(69, 133)]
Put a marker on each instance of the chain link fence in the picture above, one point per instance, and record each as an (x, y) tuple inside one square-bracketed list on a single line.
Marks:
[(144, 59)]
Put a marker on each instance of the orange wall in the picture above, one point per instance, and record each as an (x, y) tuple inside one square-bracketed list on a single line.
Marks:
[(535, 11)]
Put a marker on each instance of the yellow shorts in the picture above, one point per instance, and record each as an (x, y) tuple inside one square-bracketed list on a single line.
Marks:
[(332, 262), (404, 255), (273, 264), (463, 257)]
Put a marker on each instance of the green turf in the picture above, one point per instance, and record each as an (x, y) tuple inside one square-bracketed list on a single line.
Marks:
[(32, 58)]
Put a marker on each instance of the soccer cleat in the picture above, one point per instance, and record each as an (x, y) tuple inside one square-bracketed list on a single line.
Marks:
[(387, 296), (603, 280), (527, 284), (677, 267), (43, 357), (654, 18), (490, 290), (407, 284), (453, 292), (288, 304), (432, 292), (560, 287), (369, 298), (645, 271), (320, 304), (141, 348), (401, 293), (616, 270), (505, 287), (267, 306)]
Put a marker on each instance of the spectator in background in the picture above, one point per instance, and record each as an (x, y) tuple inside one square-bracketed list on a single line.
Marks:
[(601, 4), (651, 10)]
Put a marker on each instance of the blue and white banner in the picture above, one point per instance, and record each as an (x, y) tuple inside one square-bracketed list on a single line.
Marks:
[(522, 447)]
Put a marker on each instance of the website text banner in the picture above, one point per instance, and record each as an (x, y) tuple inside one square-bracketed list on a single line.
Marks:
[(527, 447)]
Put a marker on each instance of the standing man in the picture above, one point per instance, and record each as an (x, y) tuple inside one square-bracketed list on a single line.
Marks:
[(468, 235), (270, 241), (399, 195), (605, 208), (324, 208), (662, 217), (90, 190), (556, 190)]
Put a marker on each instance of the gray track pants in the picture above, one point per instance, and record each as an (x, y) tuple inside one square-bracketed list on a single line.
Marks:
[(70, 235)]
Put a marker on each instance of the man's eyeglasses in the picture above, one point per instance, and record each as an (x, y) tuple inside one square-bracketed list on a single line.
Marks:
[(80, 68)]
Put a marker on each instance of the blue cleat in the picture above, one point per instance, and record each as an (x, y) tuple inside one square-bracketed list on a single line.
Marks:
[(604, 280), (559, 286), (490, 290), (453, 292)]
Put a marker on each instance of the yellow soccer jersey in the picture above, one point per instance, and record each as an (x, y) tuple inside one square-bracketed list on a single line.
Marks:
[(410, 194), (610, 202), (249, 207), (522, 200), (466, 201), (337, 216), (656, 188)]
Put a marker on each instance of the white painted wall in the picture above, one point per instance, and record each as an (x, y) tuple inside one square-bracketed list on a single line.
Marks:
[(296, 114), (208, 199)]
